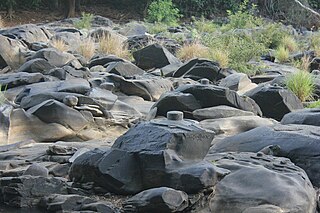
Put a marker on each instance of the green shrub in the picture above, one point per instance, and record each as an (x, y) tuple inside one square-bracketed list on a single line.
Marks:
[(302, 84), (204, 26), (282, 54), (243, 18), (84, 22), (163, 11)]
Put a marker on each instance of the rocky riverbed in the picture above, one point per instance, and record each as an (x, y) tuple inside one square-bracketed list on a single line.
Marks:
[(151, 134)]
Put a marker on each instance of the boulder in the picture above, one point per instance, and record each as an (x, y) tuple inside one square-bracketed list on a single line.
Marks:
[(27, 191), (36, 169), (205, 96), (104, 60), (12, 80), (274, 101), (154, 56), (197, 69), (260, 183), (38, 65), (299, 143), (304, 116), (54, 57), (219, 112), (162, 200), (238, 82), (151, 154), (124, 69), (149, 88), (12, 52)]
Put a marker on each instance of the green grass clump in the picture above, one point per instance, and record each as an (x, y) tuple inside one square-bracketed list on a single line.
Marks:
[(315, 104), (204, 26), (302, 84), (282, 54), (157, 27), (84, 22)]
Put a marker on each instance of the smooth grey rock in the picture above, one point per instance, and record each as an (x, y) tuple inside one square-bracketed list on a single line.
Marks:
[(37, 170), (304, 116), (124, 69), (157, 200), (219, 112), (54, 57), (257, 179), (12, 80), (38, 65), (299, 143), (61, 150)]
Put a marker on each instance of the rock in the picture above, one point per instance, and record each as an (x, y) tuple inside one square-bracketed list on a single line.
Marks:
[(136, 42), (304, 116), (206, 96), (235, 125), (70, 100), (75, 203), (104, 60), (315, 64), (78, 153), (274, 101), (28, 33), (124, 69), (157, 200), (257, 179), (54, 57), (150, 88), (52, 111), (238, 82), (270, 68), (37, 170), (197, 69), (219, 112), (38, 65), (61, 150), (12, 80), (133, 29), (152, 154), (27, 191), (154, 56), (299, 143), (12, 53)]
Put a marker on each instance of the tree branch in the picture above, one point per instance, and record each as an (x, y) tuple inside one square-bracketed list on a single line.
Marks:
[(307, 8)]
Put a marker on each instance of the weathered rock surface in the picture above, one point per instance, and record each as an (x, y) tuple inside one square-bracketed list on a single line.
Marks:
[(305, 116), (299, 143)]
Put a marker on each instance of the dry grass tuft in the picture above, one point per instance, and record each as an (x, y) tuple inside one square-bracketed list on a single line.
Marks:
[(87, 48), (290, 43), (59, 45), (194, 50), (1, 22), (113, 45), (304, 63), (221, 56)]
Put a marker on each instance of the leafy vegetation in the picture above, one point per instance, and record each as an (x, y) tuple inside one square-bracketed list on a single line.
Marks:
[(315, 104), (84, 22), (163, 11), (301, 84)]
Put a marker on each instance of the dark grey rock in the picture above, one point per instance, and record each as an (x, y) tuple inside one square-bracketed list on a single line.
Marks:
[(205, 96), (305, 116), (299, 143), (154, 56), (160, 200), (61, 150), (274, 101), (27, 191), (258, 179), (70, 100), (37, 170), (104, 60), (197, 69), (315, 64), (54, 57), (38, 65), (124, 69), (12, 80), (219, 112)]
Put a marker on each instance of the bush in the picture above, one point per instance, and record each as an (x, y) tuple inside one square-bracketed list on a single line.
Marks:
[(301, 84), (282, 54), (87, 48), (59, 45), (194, 50), (204, 26), (84, 22), (243, 18), (163, 11), (112, 45), (289, 43), (221, 56)]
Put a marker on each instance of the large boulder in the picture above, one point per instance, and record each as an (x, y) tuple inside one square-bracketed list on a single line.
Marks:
[(124, 69), (260, 183), (202, 68), (54, 57), (154, 56), (12, 52), (274, 101), (203, 96), (299, 143), (12, 80), (152, 154), (38, 65)]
